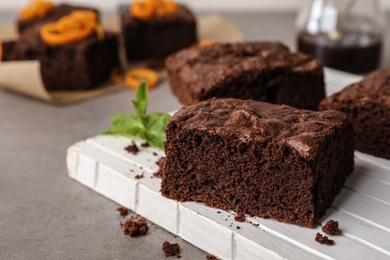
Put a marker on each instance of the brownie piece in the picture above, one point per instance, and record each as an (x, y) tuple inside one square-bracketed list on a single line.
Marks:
[(324, 240), (132, 148), (135, 227), (259, 158), (7, 49), (123, 211), (171, 249), (157, 38), (53, 15), (263, 71), (81, 65), (367, 103), (331, 228)]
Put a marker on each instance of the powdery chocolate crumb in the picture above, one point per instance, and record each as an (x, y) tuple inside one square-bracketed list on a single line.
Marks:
[(171, 249), (324, 240), (160, 163), (123, 211), (135, 227), (139, 176), (133, 148), (211, 257), (331, 228)]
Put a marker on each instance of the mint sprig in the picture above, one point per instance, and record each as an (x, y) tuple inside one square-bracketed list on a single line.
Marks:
[(150, 128)]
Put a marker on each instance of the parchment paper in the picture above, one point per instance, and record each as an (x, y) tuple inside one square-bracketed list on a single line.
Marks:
[(24, 77)]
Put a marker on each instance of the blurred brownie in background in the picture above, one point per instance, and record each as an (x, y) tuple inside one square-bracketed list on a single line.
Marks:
[(262, 71), (157, 34)]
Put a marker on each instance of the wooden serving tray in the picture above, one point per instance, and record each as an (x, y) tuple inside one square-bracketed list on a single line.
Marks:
[(362, 208)]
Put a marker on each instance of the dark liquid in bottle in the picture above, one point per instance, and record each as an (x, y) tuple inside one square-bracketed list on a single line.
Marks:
[(354, 53)]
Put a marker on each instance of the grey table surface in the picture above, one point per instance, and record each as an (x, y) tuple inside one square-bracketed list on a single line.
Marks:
[(46, 215)]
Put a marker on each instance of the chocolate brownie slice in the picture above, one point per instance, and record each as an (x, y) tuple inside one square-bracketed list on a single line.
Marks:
[(272, 161), (262, 71), (367, 103), (53, 15), (81, 65), (157, 38)]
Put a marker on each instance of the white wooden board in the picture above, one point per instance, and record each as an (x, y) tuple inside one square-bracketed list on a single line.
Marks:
[(362, 207)]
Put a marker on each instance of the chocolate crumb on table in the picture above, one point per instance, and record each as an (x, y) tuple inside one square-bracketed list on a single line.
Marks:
[(135, 226), (211, 257), (123, 211), (160, 163), (238, 227), (171, 249), (324, 240), (133, 148), (331, 228)]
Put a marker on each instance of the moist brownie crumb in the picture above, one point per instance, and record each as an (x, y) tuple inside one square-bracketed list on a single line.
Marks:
[(240, 215), (139, 176), (144, 145), (135, 227), (238, 227), (133, 148), (123, 211), (218, 212), (160, 163), (331, 228), (171, 249), (211, 257), (154, 153), (324, 240)]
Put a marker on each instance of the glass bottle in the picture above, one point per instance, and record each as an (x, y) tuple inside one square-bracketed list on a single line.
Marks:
[(346, 35)]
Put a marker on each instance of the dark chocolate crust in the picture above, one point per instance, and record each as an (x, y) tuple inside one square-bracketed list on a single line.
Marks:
[(157, 38), (259, 158), (367, 103), (263, 71), (55, 14), (77, 66)]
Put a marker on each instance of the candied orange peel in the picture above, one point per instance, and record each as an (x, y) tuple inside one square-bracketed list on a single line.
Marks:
[(134, 77), (74, 27), (206, 42), (36, 8), (148, 9)]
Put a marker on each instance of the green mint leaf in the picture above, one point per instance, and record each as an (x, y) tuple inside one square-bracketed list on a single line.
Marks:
[(123, 119), (150, 128), (127, 124), (155, 124), (141, 99)]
